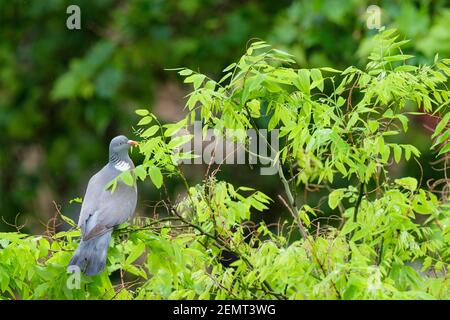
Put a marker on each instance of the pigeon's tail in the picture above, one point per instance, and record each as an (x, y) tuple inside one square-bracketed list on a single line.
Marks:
[(91, 254)]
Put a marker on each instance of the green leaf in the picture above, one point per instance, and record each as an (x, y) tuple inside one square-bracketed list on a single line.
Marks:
[(340, 167), (135, 271), (407, 183), (142, 112), (442, 138), (388, 113), (135, 253), (68, 220), (185, 72), (254, 107), (150, 131), (145, 120), (245, 189), (127, 178), (442, 124), (225, 77), (77, 200), (195, 79), (328, 69), (172, 128), (140, 172), (340, 102), (302, 81), (231, 66), (404, 120), (112, 185), (155, 176), (179, 141), (316, 76), (348, 227), (335, 197), (445, 149), (398, 57), (397, 152), (353, 119), (405, 68), (373, 125)]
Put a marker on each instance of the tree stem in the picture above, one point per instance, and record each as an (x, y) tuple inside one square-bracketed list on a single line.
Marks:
[(292, 203), (358, 202)]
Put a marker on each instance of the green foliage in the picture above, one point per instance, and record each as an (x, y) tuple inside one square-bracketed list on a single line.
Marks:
[(393, 238)]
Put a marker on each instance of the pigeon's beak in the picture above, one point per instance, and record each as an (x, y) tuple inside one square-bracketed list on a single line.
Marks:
[(132, 143)]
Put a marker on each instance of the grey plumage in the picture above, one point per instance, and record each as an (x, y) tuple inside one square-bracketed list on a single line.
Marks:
[(90, 255), (102, 210)]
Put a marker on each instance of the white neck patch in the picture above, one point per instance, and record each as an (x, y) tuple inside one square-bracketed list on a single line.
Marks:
[(122, 166)]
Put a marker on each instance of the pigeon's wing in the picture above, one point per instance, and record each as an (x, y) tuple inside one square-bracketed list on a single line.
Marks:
[(105, 209), (90, 204), (114, 209)]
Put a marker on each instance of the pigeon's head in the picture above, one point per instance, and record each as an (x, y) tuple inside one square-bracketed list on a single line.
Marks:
[(120, 145)]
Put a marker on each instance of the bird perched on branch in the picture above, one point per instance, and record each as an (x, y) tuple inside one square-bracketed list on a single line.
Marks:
[(102, 209)]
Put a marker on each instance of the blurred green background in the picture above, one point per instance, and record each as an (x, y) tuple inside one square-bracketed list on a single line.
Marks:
[(65, 93)]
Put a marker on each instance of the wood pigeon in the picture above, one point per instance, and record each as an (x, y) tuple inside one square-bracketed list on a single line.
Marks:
[(102, 210)]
